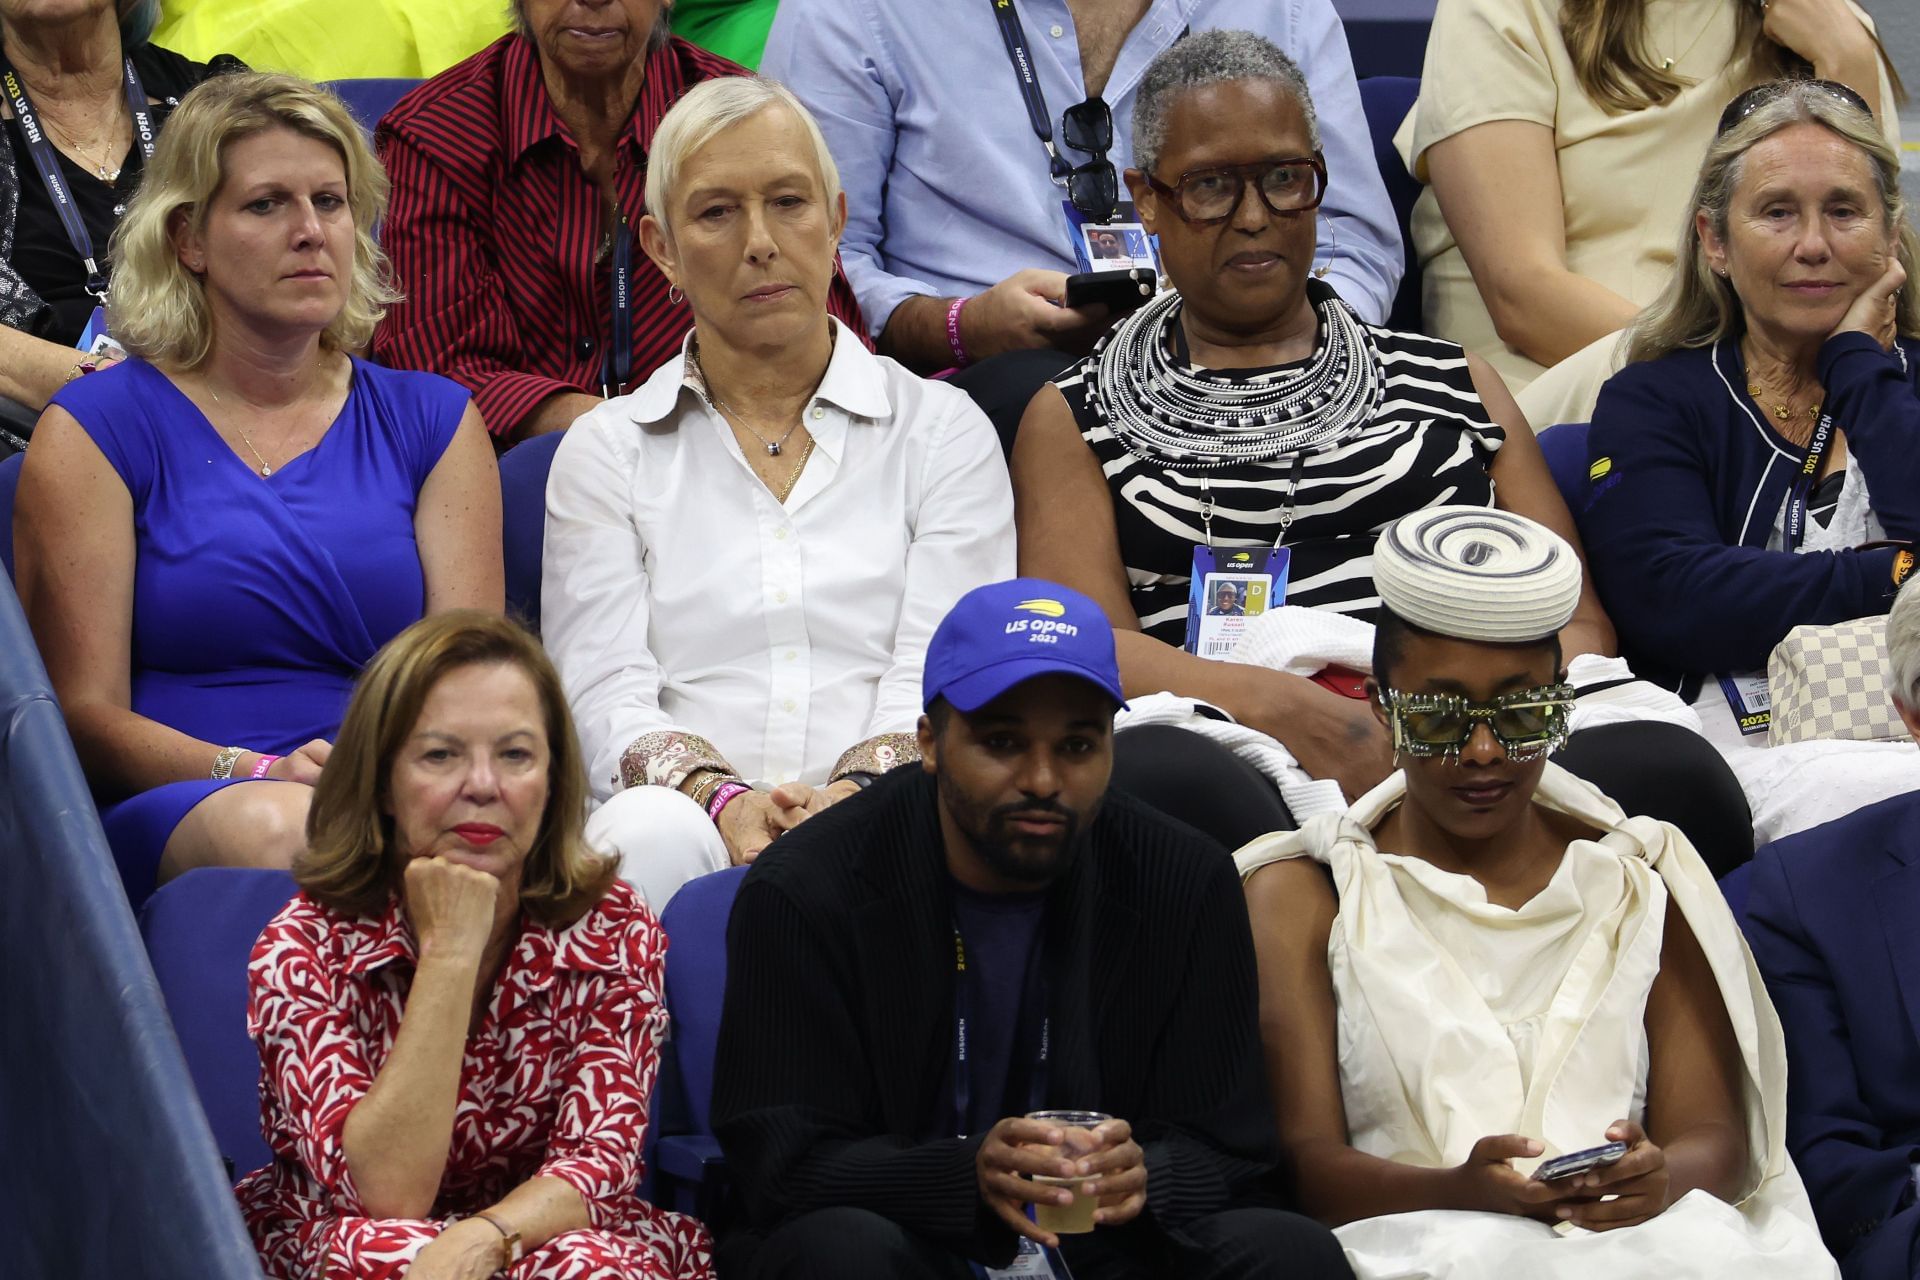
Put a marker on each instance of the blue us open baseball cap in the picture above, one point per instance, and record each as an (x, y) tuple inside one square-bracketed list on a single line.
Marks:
[(999, 635)]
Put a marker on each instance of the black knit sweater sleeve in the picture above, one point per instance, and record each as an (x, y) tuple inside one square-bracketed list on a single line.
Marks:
[(794, 1105), (1206, 1123)]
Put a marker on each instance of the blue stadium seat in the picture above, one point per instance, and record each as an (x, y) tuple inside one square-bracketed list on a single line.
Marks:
[(1565, 447), (370, 99), (200, 930), (1386, 100), (109, 1167), (689, 1169), (523, 521), (9, 485)]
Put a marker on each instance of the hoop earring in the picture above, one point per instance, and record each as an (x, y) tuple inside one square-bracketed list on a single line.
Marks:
[(674, 295)]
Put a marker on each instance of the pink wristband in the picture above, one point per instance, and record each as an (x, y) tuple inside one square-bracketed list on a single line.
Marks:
[(263, 764), (721, 794), (960, 358)]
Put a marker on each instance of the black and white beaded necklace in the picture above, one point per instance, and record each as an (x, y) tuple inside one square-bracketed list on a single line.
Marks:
[(1163, 411)]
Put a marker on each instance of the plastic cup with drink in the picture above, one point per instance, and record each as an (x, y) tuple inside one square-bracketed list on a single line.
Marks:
[(1078, 1140)]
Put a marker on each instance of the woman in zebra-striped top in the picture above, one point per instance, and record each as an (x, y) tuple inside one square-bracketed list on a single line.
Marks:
[(1252, 406)]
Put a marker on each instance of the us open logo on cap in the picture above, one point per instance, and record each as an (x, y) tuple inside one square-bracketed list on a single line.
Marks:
[(1044, 629)]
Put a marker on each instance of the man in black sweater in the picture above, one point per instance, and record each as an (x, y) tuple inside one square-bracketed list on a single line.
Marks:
[(987, 935)]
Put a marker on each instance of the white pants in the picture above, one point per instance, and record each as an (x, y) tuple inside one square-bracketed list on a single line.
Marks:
[(662, 840)]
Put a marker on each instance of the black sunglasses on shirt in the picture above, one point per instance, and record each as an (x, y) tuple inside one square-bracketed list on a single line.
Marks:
[(1092, 188)]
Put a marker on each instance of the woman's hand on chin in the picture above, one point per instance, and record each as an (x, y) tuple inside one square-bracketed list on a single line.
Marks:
[(1874, 312), (1332, 736), (467, 1250), (451, 907)]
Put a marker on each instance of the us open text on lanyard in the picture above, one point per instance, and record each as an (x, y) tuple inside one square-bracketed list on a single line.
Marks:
[(1031, 1262), (47, 160), (1748, 695), (1801, 495), (618, 365), (1033, 988), (1014, 36)]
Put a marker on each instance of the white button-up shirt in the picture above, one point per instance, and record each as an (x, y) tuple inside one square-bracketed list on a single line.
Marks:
[(678, 594)]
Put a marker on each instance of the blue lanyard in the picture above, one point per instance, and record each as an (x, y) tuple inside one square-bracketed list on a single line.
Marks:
[(1014, 36), (47, 160), (1035, 990), (618, 365), (1802, 491)]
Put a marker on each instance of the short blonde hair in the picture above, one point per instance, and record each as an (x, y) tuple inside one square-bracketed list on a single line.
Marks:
[(350, 863), (707, 110), (1699, 308), (159, 308)]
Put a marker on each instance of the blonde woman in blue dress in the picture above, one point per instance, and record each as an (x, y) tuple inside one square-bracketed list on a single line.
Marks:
[(1485, 964)]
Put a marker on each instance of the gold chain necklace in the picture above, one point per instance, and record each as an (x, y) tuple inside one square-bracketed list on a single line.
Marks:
[(1667, 64), (793, 478), (100, 168), (245, 439), (1780, 408)]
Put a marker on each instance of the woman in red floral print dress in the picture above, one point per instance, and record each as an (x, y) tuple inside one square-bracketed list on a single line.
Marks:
[(459, 1018)]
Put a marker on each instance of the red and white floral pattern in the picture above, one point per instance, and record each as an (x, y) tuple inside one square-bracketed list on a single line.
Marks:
[(555, 1083)]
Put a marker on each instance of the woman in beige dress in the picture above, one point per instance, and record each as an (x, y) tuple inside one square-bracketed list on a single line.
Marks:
[(1559, 138)]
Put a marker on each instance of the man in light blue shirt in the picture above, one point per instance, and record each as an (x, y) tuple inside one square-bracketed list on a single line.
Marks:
[(949, 193)]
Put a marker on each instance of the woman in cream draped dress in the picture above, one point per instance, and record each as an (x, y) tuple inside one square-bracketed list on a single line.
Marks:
[(1485, 963)]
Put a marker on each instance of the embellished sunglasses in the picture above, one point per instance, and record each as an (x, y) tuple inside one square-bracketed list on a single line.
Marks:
[(1761, 94), (1528, 723), (1206, 196)]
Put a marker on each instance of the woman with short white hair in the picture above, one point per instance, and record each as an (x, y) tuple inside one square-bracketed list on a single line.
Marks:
[(746, 556)]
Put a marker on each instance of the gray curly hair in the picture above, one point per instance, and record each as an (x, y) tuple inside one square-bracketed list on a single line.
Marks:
[(1903, 646), (1204, 58)]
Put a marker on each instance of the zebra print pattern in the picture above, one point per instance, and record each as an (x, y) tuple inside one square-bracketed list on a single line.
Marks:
[(1430, 443)]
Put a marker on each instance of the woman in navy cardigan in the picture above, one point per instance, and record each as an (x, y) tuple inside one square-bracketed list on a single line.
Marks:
[(1756, 465)]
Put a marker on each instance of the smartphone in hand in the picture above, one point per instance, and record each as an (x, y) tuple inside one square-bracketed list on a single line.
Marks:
[(1579, 1162), (1119, 291)]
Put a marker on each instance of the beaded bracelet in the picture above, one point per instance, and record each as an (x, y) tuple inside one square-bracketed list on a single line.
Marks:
[(960, 358), (722, 794)]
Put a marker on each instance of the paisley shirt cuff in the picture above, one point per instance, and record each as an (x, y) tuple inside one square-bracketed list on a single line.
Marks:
[(878, 754), (668, 758)]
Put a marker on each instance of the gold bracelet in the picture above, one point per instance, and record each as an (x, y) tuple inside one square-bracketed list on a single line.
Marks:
[(223, 762), (703, 790), (510, 1249)]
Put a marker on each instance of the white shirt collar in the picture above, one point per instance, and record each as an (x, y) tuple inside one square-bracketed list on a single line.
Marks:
[(855, 383)]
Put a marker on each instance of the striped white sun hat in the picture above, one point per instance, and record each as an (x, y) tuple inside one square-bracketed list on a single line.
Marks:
[(1477, 573)]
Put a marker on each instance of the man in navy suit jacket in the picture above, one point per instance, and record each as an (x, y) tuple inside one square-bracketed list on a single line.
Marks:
[(1833, 916)]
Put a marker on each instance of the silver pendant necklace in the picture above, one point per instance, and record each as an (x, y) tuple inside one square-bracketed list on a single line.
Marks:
[(771, 446)]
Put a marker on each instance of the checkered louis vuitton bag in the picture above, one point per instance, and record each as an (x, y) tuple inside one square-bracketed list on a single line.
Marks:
[(1831, 682)]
